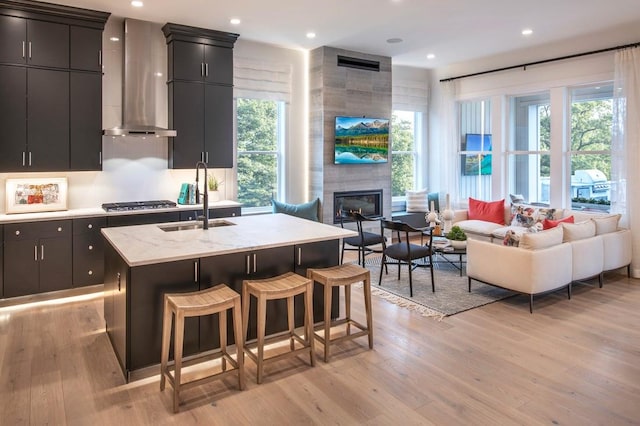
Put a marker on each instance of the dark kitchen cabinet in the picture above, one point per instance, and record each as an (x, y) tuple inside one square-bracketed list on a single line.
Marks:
[(37, 257), (88, 251), (200, 62), (34, 42), (51, 116), (116, 281), (200, 68), (147, 287), (86, 49), (143, 219), (213, 213), (85, 121)]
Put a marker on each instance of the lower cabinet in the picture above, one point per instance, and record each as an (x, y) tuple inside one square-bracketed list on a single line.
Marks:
[(213, 213), (88, 251), (37, 257), (322, 254), (142, 219)]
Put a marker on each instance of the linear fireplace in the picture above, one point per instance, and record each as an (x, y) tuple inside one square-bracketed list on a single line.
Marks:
[(367, 202)]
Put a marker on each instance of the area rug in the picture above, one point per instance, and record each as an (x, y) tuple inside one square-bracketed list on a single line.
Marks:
[(451, 295)]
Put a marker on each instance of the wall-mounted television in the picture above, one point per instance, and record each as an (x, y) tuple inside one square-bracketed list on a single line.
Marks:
[(361, 140), (478, 163)]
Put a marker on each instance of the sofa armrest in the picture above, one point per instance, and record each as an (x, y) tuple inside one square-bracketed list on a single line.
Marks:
[(460, 215), (518, 269), (617, 249)]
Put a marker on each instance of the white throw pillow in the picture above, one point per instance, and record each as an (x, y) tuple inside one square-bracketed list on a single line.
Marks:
[(417, 201), (578, 231), (539, 240), (606, 224)]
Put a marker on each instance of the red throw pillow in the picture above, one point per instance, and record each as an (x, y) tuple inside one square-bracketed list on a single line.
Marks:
[(490, 211), (548, 223)]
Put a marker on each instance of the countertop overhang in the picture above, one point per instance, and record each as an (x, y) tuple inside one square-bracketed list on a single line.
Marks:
[(149, 244)]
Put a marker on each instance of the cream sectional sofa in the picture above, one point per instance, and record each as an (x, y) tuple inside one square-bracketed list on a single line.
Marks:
[(547, 260)]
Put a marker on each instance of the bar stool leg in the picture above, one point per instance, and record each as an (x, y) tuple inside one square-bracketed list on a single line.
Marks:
[(167, 316), (237, 332), (222, 322), (246, 302), (347, 306), (367, 308), (291, 323), (177, 357), (327, 321), (262, 321), (308, 322)]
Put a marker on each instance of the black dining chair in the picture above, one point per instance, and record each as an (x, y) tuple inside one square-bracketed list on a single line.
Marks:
[(364, 240), (404, 252)]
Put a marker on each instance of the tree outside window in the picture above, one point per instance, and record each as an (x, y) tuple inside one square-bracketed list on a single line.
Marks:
[(403, 152)]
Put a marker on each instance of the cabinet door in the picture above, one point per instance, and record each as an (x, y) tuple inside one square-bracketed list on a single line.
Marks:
[(48, 44), (322, 254), (55, 263), (188, 61), (218, 142), (88, 251), (13, 39), (85, 125), (219, 64), (143, 219), (86, 49), (187, 110), (48, 120), (21, 268), (115, 303), (146, 295), (13, 117), (225, 212)]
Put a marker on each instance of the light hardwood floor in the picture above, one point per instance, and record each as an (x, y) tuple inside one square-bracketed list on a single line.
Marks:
[(572, 362)]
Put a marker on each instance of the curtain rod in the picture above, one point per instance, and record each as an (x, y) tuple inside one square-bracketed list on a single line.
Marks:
[(544, 61)]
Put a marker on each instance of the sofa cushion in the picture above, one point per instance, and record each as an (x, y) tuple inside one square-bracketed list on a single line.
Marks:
[(306, 210), (549, 223), (542, 239), (528, 215), (480, 227), (417, 201), (578, 231), (606, 224), (490, 211)]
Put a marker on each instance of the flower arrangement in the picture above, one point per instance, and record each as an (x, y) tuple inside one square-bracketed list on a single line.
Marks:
[(213, 183)]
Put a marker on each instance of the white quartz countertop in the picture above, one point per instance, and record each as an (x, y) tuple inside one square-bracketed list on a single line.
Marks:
[(97, 211), (148, 244)]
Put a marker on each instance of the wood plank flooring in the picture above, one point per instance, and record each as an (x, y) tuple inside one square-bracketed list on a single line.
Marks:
[(571, 362)]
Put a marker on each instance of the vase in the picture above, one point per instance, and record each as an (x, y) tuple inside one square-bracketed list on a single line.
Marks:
[(214, 195), (458, 245)]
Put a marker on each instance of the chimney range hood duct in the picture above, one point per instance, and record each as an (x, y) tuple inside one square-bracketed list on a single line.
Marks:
[(144, 93)]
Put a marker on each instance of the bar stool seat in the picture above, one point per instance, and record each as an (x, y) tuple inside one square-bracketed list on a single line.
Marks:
[(215, 300), (343, 275), (280, 287)]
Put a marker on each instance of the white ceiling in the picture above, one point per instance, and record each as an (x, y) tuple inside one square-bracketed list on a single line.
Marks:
[(454, 30)]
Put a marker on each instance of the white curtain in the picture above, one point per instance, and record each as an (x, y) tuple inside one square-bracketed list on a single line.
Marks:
[(450, 118), (625, 146), (261, 79), (410, 95)]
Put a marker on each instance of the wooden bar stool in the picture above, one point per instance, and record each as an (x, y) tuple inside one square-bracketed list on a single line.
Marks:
[(343, 275), (283, 286), (213, 300)]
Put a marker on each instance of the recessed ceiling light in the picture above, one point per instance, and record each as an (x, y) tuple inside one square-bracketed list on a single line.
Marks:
[(234, 21), (114, 38), (136, 3), (394, 40), (311, 34), (527, 31), (430, 56)]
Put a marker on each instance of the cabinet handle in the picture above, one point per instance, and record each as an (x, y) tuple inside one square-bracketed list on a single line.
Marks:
[(42, 252), (29, 158), (23, 158), (59, 228), (206, 70), (202, 69), (35, 253), (29, 50), (206, 157), (90, 247), (90, 226), (100, 57), (100, 158), (18, 232), (118, 278), (248, 270), (299, 256), (195, 271), (255, 262), (90, 272), (24, 47)]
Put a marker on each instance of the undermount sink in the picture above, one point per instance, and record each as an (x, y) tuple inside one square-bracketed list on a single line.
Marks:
[(191, 226)]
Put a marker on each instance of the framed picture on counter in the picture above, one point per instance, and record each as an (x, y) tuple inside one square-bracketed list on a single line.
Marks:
[(36, 195)]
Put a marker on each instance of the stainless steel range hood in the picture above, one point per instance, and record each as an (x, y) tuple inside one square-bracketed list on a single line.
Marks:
[(144, 92)]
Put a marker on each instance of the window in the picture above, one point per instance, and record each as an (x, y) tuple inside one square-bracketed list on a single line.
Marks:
[(590, 152), (529, 153), (475, 149), (260, 136), (403, 151)]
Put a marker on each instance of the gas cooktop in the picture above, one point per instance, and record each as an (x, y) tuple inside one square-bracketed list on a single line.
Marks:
[(138, 205)]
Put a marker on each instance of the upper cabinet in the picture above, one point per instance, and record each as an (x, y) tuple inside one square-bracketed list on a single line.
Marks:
[(200, 78), (50, 87)]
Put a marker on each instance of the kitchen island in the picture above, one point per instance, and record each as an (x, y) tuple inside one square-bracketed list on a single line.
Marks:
[(143, 262)]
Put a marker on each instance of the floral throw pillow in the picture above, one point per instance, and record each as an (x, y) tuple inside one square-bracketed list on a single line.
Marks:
[(530, 216)]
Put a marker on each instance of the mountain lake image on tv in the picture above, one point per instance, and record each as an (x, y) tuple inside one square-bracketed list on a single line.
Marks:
[(361, 140)]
